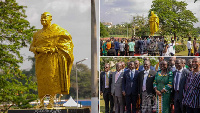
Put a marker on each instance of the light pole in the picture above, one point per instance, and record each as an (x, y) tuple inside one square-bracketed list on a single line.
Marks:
[(77, 81)]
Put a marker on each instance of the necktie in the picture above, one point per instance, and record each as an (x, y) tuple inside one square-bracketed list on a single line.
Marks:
[(177, 77), (107, 79), (131, 75), (116, 76)]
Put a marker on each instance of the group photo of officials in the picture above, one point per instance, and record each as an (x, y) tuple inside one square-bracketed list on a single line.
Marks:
[(150, 84)]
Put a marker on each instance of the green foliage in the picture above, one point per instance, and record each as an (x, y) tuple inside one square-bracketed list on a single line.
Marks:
[(118, 30), (103, 31), (31, 72), (174, 17), (113, 60), (15, 33), (179, 48), (198, 30), (141, 25), (84, 82)]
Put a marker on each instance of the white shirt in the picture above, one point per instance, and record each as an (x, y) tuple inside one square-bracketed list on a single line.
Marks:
[(189, 44), (177, 78), (133, 72), (171, 48), (146, 73)]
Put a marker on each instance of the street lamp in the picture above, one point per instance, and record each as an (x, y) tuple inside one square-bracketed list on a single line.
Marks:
[(77, 81)]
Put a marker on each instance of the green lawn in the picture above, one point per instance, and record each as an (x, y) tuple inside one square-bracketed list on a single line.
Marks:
[(182, 53), (102, 105)]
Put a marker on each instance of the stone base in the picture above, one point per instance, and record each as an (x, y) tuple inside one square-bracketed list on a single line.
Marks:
[(66, 110)]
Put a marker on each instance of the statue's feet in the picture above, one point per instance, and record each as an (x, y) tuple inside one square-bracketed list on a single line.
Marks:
[(50, 105), (39, 106)]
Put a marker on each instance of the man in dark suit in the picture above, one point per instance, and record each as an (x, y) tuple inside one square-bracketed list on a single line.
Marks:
[(137, 64), (116, 89), (112, 51), (145, 84), (141, 68), (179, 75), (140, 44), (105, 88), (130, 87), (161, 47), (171, 63)]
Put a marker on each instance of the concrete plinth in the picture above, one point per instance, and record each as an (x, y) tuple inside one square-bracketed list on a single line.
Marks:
[(66, 110)]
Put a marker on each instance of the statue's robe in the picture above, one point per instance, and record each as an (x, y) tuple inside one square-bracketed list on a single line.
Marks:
[(154, 24), (53, 69)]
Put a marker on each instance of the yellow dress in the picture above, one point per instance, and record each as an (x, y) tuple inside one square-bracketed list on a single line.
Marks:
[(154, 23), (53, 68)]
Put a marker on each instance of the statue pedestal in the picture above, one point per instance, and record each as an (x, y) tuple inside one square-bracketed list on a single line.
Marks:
[(66, 110)]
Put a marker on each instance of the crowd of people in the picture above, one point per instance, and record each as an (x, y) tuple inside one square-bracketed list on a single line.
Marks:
[(137, 46), (170, 84)]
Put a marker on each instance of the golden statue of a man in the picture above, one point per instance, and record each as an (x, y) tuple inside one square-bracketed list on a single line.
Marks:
[(154, 23), (53, 49)]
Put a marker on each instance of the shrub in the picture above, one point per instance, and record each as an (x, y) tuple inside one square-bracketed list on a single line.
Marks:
[(179, 48)]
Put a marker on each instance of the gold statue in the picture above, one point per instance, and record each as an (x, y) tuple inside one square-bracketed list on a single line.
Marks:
[(154, 23), (53, 49)]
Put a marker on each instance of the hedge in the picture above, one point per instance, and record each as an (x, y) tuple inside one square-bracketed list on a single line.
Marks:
[(179, 48)]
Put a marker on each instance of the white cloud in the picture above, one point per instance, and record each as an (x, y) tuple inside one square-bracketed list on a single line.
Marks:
[(135, 7), (73, 15)]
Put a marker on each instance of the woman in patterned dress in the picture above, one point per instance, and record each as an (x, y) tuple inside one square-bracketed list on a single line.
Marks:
[(163, 85)]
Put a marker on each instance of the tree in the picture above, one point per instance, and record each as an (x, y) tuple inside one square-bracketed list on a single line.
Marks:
[(103, 31), (174, 17), (84, 81), (15, 33), (31, 72), (141, 25)]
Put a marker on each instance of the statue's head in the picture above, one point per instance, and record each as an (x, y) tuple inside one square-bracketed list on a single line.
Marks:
[(152, 12), (46, 18)]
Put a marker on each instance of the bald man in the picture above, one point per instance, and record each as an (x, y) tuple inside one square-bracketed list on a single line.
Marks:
[(192, 93), (116, 89), (141, 68), (179, 75)]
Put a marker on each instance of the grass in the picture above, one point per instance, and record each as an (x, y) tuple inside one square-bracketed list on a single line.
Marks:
[(182, 53), (102, 105)]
